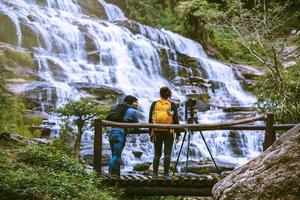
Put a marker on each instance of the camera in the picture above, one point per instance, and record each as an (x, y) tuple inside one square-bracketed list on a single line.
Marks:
[(191, 110)]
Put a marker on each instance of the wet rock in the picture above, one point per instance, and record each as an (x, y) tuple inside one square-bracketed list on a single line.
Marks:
[(207, 167), (17, 85), (141, 167), (120, 3), (237, 109), (133, 26), (92, 8), (247, 72), (44, 132), (186, 66), (88, 156), (289, 64), (42, 2), (239, 115), (38, 114), (275, 174), (40, 96), (8, 139), (30, 39), (225, 173), (42, 140), (291, 52), (100, 92), (137, 154), (236, 143), (94, 57), (216, 85), (57, 72), (8, 32)]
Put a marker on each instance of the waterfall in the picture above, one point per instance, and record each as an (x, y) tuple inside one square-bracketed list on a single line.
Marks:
[(131, 63)]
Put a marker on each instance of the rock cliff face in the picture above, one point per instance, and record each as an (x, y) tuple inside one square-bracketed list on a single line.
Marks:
[(275, 174)]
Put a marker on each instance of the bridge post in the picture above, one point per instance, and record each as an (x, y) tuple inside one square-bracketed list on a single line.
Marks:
[(98, 145), (270, 136)]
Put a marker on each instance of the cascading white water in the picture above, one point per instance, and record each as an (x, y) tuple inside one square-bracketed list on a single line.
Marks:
[(113, 12), (128, 62)]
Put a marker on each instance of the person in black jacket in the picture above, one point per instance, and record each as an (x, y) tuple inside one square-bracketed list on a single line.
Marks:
[(163, 111)]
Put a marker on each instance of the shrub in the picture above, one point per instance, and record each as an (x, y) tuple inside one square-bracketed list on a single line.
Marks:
[(43, 172)]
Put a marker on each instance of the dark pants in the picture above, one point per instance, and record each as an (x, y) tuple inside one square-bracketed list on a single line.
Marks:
[(166, 138), (117, 143)]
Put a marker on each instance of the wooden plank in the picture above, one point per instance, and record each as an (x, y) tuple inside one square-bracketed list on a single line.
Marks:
[(123, 177), (141, 177), (126, 177), (163, 191), (131, 177)]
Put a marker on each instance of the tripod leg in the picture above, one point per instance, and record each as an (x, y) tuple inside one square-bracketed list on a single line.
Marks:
[(188, 152), (210, 153), (179, 152)]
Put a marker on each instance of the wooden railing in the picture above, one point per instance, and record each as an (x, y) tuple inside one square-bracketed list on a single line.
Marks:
[(269, 129)]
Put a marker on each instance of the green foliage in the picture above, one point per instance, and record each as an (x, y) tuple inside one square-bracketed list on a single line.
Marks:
[(19, 57), (226, 41), (12, 114), (84, 109), (82, 112), (141, 167), (280, 97), (156, 13), (64, 141), (43, 172)]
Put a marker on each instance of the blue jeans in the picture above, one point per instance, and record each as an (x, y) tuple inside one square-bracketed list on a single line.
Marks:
[(117, 143)]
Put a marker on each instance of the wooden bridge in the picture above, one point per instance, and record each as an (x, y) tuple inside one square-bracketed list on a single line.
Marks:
[(192, 185)]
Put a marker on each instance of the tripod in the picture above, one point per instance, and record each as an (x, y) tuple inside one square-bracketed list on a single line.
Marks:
[(192, 120)]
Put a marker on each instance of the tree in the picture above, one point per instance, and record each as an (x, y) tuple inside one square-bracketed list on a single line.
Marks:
[(263, 31), (82, 112), (255, 32)]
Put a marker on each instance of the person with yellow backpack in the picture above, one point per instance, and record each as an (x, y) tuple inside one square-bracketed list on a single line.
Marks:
[(163, 111)]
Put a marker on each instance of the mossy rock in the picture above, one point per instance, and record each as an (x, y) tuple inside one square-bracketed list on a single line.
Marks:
[(167, 71), (236, 143), (187, 61), (8, 32), (133, 26), (30, 39), (92, 8), (20, 58), (141, 167)]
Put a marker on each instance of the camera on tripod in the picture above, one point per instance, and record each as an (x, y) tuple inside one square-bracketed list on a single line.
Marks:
[(191, 110)]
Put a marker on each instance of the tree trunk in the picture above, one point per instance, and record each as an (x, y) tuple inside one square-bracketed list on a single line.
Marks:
[(79, 124)]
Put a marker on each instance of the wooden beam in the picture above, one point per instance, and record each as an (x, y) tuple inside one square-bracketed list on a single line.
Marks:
[(98, 145), (234, 127), (182, 126), (270, 132)]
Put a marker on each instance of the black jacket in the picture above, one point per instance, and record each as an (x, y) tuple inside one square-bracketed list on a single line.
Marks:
[(175, 116)]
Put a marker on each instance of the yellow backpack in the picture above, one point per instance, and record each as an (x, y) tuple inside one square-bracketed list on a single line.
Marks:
[(162, 113)]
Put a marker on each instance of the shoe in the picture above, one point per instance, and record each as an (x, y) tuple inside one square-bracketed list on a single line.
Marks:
[(167, 177)]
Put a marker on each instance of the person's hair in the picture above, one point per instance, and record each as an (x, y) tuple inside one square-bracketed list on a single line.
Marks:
[(165, 92)]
